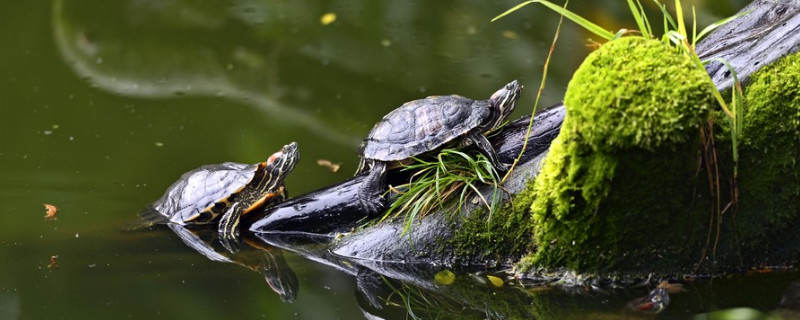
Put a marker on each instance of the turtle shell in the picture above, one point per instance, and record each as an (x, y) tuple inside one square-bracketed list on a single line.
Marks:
[(423, 125), (200, 189)]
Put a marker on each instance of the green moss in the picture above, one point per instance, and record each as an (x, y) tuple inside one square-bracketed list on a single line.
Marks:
[(769, 179), (633, 93), (508, 233), (621, 169)]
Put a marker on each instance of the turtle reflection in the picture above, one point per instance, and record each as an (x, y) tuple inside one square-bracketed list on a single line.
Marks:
[(256, 256)]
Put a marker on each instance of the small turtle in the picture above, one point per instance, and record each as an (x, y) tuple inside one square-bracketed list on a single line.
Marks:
[(229, 190), (424, 125)]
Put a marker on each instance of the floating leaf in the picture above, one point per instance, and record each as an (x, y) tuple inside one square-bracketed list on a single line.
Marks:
[(496, 281), (444, 277), (327, 18), (325, 163), (51, 212)]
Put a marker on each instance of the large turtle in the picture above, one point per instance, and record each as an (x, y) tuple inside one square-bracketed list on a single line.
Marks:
[(229, 190), (424, 125)]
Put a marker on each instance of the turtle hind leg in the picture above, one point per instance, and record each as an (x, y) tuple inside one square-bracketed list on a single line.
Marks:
[(229, 228), (485, 147), (370, 193)]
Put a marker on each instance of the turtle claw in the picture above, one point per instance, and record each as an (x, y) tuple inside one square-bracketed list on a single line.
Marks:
[(370, 193), (373, 205)]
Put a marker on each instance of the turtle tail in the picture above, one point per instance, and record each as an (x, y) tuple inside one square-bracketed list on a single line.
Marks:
[(153, 216)]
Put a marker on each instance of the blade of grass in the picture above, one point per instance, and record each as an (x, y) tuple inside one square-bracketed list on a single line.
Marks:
[(667, 16), (648, 30), (640, 21), (719, 23), (646, 20), (538, 96), (681, 23), (586, 24), (694, 27)]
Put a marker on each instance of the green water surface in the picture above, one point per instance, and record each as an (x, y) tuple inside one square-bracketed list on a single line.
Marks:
[(103, 104)]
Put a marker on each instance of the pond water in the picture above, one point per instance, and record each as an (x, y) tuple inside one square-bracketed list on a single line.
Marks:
[(104, 104)]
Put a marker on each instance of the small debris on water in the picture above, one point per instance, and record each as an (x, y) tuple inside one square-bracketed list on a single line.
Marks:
[(327, 18), (386, 43), (159, 144), (508, 34), (51, 212), (333, 167), (671, 287), (496, 281), (444, 277), (77, 235), (53, 262)]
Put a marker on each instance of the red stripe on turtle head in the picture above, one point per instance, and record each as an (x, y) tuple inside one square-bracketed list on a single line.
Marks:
[(273, 157)]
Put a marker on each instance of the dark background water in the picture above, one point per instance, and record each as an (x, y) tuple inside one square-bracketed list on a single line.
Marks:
[(103, 104)]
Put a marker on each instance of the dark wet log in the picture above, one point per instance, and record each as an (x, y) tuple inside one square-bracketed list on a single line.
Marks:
[(336, 208), (326, 210)]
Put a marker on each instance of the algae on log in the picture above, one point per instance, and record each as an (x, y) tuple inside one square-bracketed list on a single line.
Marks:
[(615, 189), (769, 173)]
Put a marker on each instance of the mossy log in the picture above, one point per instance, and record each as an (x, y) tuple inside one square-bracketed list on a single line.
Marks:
[(625, 188)]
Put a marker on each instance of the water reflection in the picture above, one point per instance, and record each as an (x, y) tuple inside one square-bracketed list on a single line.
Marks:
[(383, 290), (125, 62), (398, 290), (255, 256)]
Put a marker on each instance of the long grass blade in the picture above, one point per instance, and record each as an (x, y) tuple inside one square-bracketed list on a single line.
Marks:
[(586, 24), (638, 17), (542, 84), (681, 23), (646, 20), (719, 23), (512, 10), (667, 16)]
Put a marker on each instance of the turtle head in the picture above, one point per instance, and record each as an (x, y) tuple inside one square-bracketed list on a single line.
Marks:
[(503, 102), (284, 160), (279, 165)]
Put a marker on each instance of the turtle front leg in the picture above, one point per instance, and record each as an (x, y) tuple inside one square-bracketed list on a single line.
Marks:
[(370, 193), (229, 227), (487, 150)]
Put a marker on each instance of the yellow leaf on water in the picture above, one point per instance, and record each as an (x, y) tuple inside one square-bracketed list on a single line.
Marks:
[(444, 277), (333, 167), (51, 212), (327, 18), (496, 281)]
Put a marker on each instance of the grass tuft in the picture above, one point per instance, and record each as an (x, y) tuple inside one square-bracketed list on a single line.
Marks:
[(435, 182)]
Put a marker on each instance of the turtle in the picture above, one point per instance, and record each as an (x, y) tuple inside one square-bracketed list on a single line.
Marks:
[(224, 192), (424, 125)]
